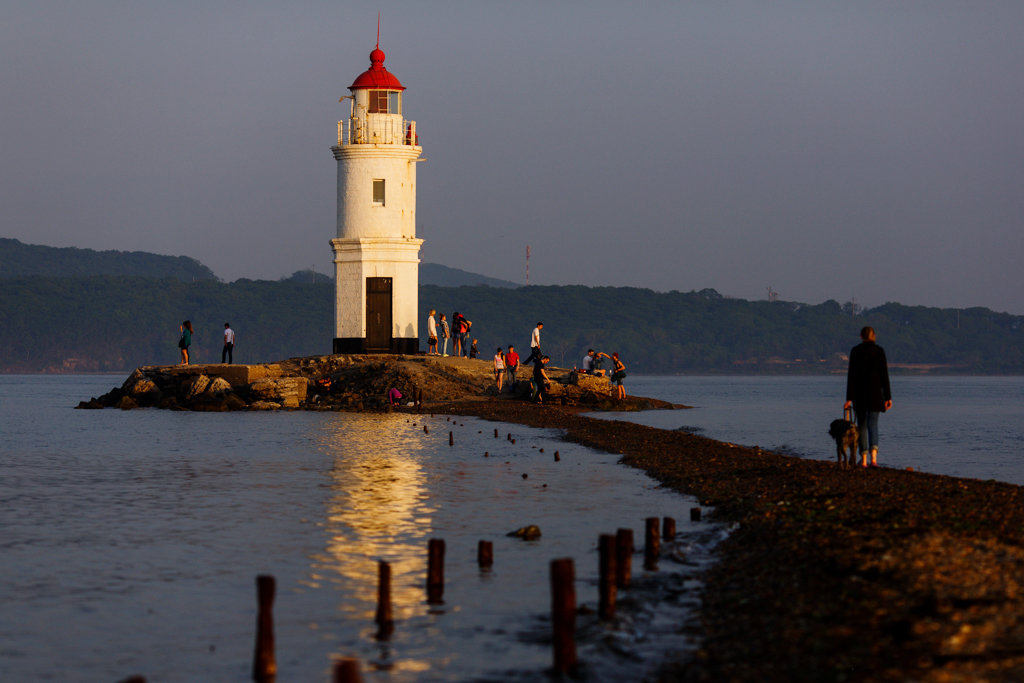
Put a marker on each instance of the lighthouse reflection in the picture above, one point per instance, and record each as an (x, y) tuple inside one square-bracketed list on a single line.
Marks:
[(379, 509)]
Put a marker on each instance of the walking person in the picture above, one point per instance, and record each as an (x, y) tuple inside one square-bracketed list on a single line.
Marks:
[(445, 334), (618, 374), (511, 365), (499, 368), (535, 353), (868, 392), (432, 334), (185, 340), (229, 344), (540, 380)]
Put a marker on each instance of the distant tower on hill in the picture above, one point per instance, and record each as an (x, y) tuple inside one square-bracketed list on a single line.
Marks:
[(376, 252)]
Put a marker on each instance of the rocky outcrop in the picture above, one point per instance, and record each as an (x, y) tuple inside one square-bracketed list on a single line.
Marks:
[(288, 392), (343, 382)]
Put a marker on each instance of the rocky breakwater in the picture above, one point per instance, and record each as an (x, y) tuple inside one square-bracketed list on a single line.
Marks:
[(345, 382), (206, 388)]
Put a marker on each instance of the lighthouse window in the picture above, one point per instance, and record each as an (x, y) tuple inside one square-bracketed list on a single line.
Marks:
[(378, 192), (378, 101), (385, 102)]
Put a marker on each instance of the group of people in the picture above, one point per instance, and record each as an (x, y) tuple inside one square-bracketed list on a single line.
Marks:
[(185, 341), (438, 334), (591, 365), (506, 363)]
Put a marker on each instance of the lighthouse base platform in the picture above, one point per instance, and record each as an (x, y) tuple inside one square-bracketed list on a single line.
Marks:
[(402, 345)]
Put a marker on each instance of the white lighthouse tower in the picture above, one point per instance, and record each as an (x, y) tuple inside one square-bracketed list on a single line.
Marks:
[(376, 252)]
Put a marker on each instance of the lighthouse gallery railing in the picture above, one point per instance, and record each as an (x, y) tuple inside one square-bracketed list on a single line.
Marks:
[(377, 129)]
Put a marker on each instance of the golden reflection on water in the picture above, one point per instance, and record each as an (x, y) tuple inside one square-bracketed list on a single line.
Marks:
[(379, 509)]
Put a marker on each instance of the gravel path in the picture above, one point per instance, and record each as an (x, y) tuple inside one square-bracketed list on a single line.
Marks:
[(831, 575)]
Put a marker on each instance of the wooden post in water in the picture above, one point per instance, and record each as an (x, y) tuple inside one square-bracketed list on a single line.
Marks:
[(485, 554), (557, 459), (607, 580), (624, 557), (435, 571), (652, 544), (694, 514), (451, 438), (495, 433), (563, 614), (668, 528), (347, 671), (384, 618), (264, 666)]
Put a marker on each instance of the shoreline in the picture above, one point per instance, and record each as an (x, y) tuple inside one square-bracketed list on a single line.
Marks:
[(829, 574)]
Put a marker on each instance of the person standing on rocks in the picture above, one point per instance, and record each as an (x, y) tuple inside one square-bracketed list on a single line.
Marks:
[(229, 344), (540, 380), (432, 334), (535, 353), (499, 368), (185, 340), (457, 334), (618, 374), (868, 392), (445, 334), (511, 365)]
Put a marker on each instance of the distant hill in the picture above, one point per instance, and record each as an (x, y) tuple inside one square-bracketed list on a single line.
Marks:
[(443, 276), (18, 259), (107, 323), (75, 310), (430, 274)]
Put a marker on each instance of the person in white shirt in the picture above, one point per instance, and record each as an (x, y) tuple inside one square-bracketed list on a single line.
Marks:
[(499, 368), (535, 353), (588, 362), (229, 344), (432, 334)]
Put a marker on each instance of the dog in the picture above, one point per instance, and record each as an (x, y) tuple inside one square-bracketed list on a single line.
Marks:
[(845, 434)]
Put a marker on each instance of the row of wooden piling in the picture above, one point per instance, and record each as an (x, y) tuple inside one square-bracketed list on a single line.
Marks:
[(615, 573)]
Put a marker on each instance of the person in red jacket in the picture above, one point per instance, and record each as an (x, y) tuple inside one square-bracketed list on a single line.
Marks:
[(511, 365)]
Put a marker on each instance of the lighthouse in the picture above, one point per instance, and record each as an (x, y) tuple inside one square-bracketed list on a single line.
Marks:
[(376, 251)]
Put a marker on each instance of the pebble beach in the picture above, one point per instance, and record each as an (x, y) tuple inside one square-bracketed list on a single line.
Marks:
[(870, 574)]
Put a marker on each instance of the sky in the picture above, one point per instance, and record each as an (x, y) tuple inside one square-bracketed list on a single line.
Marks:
[(861, 150)]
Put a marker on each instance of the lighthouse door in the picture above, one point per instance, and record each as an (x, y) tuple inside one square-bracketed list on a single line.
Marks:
[(378, 314)]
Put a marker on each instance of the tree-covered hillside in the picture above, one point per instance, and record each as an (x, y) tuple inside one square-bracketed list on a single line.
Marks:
[(18, 260), (697, 332), (62, 324), (118, 323)]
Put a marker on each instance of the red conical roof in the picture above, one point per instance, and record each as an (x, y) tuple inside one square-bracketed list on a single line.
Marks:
[(376, 77)]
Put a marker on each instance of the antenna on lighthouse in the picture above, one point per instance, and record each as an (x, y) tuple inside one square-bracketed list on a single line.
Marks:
[(378, 30)]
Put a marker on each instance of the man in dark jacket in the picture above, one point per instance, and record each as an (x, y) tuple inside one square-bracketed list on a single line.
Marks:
[(867, 390)]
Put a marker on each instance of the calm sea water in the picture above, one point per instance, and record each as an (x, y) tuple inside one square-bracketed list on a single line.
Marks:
[(962, 426), (131, 541)]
